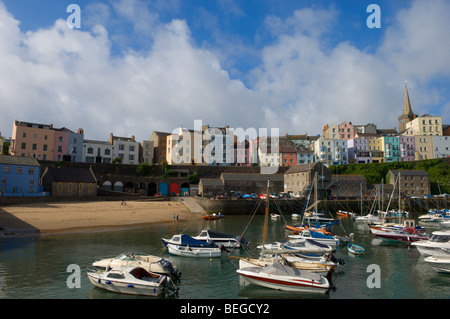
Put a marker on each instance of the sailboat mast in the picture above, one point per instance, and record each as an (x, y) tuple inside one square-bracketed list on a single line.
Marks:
[(267, 211)]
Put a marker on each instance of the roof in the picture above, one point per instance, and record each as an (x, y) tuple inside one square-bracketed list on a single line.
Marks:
[(18, 160), (302, 168), (409, 172), (255, 177), (69, 174), (211, 182)]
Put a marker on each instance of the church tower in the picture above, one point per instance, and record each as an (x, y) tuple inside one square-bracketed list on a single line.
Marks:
[(407, 115)]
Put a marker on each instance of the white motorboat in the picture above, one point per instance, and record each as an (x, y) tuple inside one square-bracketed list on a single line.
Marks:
[(316, 236), (437, 245), (149, 262), (228, 241), (132, 280), (435, 217), (185, 240), (440, 264), (368, 219), (302, 245), (278, 276), (406, 232), (322, 269), (189, 251), (274, 216), (397, 234)]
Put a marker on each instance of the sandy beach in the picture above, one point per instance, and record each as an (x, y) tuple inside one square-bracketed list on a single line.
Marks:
[(83, 216)]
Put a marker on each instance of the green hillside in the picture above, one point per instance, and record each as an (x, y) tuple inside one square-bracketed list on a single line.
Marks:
[(438, 169)]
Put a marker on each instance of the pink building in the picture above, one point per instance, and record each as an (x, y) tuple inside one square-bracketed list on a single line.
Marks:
[(241, 154), (407, 148), (32, 140), (61, 146), (346, 131)]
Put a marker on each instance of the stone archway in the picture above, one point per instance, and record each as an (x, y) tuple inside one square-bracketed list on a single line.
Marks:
[(107, 185), (174, 189), (118, 186), (151, 189), (184, 189), (129, 187), (163, 189)]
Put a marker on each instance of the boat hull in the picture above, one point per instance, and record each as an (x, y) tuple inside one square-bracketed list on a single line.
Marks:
[(193, 251), (125, 288), (282, 283), (397, 236), (120, 280), (440, 264)]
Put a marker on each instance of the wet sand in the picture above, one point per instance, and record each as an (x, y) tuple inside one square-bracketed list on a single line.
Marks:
[(90, 216)]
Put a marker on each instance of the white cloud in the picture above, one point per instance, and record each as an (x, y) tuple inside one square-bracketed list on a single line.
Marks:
[(71, 78)]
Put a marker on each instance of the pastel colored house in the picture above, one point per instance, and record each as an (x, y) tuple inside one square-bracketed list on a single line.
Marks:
[(44, 142), (391, 146), (358, 150), (407, 148), (20, 176)]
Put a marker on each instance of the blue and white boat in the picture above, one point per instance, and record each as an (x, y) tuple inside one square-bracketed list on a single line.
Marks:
[(355, 249), (317, 236), (184, 245)]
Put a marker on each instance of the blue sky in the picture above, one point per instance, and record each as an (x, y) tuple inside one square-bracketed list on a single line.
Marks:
[(136, 66)]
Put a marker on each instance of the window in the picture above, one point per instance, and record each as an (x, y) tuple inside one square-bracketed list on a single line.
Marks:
[(24, 146), (6, 169), (31, 171), (19, 170), (44, 147)]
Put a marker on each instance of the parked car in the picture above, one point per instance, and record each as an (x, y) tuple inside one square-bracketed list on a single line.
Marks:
[(221, 196)]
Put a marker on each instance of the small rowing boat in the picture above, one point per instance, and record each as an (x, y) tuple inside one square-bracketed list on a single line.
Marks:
[(355, 249)]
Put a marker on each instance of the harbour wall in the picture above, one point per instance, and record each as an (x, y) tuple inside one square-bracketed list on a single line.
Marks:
[(289, 206)]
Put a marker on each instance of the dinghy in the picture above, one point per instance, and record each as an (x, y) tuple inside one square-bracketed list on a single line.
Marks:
[(355, 249)]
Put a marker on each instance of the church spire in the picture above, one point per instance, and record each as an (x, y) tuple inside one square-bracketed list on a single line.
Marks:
[(407, 115), (407, 104)]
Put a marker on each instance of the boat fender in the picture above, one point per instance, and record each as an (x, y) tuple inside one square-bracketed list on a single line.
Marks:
[(130, 286), (107, 282)]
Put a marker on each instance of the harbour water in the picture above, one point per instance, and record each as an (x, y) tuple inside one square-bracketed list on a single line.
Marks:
[(36, 267)]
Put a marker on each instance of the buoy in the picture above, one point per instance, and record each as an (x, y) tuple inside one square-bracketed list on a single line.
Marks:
[(210, 260)]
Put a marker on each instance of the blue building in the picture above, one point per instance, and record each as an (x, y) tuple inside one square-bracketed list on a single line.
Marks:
[(391, 148), (20, 176)]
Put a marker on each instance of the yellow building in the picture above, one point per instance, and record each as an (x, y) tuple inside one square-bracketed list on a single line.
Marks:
[(424, 147), (376, 149), (424, 125)]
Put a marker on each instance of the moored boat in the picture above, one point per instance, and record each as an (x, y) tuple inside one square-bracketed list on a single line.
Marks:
[(437, 245), (278, 276), (226, 240), (149, 262), (188, 251), (355, 249), (132, 280), (440, 264)]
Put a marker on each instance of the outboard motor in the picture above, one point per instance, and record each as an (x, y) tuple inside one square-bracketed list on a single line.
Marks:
[(168, 265)]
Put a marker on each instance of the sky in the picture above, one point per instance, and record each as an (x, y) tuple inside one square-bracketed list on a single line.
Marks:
[(138, 66)]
